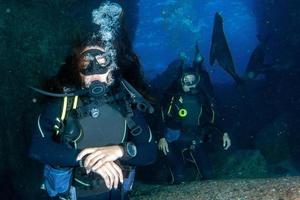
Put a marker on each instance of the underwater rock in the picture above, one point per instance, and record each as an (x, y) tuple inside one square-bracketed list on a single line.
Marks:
[(273, 140), (234, 165)]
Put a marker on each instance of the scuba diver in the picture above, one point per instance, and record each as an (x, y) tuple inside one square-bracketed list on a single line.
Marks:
[(189, 118), (165, 81), (93, 133)]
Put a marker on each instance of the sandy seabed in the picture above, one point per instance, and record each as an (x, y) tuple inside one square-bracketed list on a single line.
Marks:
[(285, 188)]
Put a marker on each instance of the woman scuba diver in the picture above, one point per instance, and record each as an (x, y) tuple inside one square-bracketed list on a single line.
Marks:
[(91, 137)]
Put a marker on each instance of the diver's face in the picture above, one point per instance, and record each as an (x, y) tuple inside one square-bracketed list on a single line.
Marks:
[(93, 66), (103, 78), (188, 82)]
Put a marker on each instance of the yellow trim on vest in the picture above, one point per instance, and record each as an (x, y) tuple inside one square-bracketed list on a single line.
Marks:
[(162, 114), (180, 99), (75, 102), (81, 182), (170, 107), (199, 116), (182, 112), (75, 141), (213, 116), (56, 127), (64, 109), (58, 120), (125, 131)]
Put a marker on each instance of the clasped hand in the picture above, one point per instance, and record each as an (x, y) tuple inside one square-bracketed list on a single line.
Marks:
[(100, 160)]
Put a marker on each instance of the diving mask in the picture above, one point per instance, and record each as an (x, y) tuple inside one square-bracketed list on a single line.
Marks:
[(94, 66)]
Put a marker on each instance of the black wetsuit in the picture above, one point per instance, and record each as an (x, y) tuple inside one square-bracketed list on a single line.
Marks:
[(197, 105), (45, 149)]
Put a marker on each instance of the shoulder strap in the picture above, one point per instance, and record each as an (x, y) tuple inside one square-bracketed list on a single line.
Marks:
[(141, 103), (170, 106), (134, 129), (69, 103)]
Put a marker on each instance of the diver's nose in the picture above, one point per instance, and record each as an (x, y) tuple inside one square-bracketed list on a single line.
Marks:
[(101, 60)]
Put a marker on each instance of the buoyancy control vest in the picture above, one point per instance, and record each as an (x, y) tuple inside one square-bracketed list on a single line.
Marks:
[(91, 122), (102, 125), (188, 111), (88, 122)]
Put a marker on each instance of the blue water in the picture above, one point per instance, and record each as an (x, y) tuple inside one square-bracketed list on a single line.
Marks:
[(169, 27)]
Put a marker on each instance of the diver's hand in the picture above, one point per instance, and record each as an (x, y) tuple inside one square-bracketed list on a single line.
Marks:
[(98, 156), (226, 141), (111, 174), (163, 145)]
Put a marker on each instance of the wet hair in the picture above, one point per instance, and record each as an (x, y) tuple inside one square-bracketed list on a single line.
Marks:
[(68, 75)]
